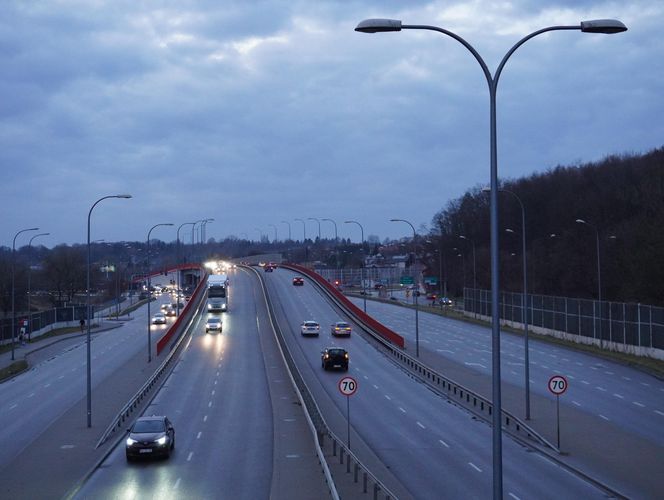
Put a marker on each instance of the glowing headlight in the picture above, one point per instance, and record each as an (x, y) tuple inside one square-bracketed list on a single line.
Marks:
[(161, 441), (130, 441)]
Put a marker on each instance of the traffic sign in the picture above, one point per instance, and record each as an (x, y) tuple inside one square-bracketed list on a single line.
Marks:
[(406, 280), (347, 386), (431, 280), (558, 385)]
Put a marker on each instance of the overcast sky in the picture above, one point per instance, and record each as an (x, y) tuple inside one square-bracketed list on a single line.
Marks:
[(256, 112)]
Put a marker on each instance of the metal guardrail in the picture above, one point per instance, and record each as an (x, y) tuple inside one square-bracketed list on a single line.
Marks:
[(453, 391), (134, 402), (314, 415)]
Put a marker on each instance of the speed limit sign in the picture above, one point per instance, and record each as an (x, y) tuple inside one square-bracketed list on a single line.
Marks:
[(558, 384), (347, 386)]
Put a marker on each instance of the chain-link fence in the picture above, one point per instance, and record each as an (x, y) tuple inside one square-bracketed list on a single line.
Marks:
[(618, 323)]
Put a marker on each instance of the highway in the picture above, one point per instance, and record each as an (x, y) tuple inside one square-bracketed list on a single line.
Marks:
[(434, 449), (615, 393), (218, 400), (31, 402)]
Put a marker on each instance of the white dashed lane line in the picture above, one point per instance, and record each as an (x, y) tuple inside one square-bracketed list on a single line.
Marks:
[(388, 398), (659, 413), (191, 454), (443, 443), (640, 405), (474, 466), (402, 410), (421, 425), (602, 416)]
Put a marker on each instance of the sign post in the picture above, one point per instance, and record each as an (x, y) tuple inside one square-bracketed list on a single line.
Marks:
[(348, 387), (558, 385)]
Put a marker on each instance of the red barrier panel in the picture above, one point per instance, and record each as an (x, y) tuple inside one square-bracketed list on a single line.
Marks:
[(176, 324), (379, 328)]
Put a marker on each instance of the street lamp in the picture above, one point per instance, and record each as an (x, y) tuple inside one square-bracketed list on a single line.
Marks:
[(472, 242), (177, 268), (417, 289), (599, 278), (275, 231), (260, 234), (203, 227), (89, 308), (317, 220), (304, 229), (13, 280), (289, 228), (336, 242), (364, 291), (29, 332), (150, 293), (607, 26)]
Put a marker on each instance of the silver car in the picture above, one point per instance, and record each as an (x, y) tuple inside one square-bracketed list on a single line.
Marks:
[(310, 328)]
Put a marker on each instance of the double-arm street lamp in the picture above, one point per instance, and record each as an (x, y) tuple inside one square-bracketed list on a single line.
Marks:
[(608, 26), (13, 282), (336, 242), (599, 277), (364, 290), (29, 331), (417, 288), (275, 231), (89, 308), (150, 292)]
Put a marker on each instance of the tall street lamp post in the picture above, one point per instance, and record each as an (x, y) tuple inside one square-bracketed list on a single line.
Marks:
[(89, 309), (364, 290), (177, 268), (29, 332), (417, 289), (275, 231), (150, 292), (608, 26), (304, 229), (203, 228), (318, 221), (13, 281), (289, 229), (336, 242), (599, 278)]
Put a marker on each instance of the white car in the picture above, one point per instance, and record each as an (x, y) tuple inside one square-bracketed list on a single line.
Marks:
[(310, 328), (213, 324), (159, 319)]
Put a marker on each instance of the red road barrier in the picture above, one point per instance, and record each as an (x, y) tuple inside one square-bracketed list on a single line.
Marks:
[(184, 312), (382, 330)]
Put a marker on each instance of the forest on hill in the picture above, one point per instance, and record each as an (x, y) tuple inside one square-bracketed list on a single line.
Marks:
[(621, 199)]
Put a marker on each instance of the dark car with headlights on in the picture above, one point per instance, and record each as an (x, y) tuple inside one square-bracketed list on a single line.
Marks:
[(334, 357), (150, 437), (298, 281)]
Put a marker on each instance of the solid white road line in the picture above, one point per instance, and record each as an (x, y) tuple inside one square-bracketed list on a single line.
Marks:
[(474, 466)]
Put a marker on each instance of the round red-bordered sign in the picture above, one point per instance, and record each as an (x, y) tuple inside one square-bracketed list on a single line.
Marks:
[(558, 385), (347, 386)]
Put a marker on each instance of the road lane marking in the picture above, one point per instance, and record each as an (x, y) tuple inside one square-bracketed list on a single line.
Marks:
[(205, 418), (575, 403), (626, 378), (388, 398), (645, 384), (602, 416), (659, 413), (404, 411), (514, 496), (474, 364), (198, 436), (619, 396), (422, 426), (47, 385), (641, 405), (443, 443), (474, 466), (600, 388), (210, 404), (31, 394), (191, 454), (13, 406), (375, 386), (177, 483), (213, 392), (585, 382)]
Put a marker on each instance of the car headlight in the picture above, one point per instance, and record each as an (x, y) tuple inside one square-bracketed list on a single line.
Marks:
[(130, 441), (161, 441)]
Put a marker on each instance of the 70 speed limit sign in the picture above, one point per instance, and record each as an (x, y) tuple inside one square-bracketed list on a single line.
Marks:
[(558, 384), (347, 386)]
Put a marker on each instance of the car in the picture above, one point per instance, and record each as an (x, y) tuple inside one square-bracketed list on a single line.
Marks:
[(334, 357), (150, 437), (170, 311), (298, 281), (340, 328), (213, 324), (446, 301), (159, 319), (310, 328), (268, 268)]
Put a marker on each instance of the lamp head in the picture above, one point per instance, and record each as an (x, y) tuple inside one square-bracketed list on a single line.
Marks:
[(123, 196), (606, 26), (580, 221), (378, 25)]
